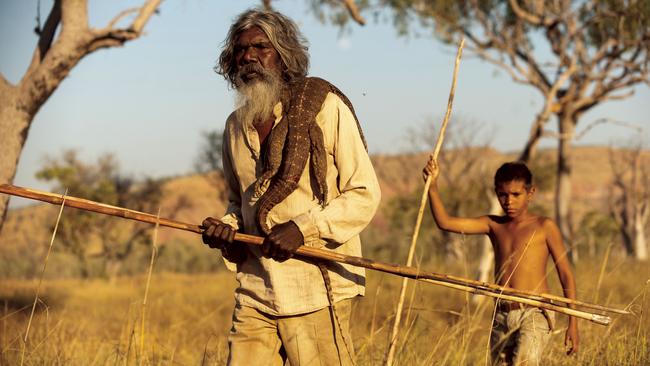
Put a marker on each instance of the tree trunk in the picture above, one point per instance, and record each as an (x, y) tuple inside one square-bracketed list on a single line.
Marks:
[(454, 249), (487, 252), (112, 268), (14, 124), (563, 184), (627, 235), (640, 245)]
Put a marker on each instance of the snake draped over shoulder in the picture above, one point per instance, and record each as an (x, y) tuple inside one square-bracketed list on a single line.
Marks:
[(296, 139)]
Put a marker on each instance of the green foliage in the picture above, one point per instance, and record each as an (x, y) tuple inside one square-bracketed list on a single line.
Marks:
[(211, 152), (188, 258), (99, 242), (174, 256), (616, 19), (597, 231), (543, 170)]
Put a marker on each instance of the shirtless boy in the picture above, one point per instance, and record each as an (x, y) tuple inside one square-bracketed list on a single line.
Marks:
[(522, 244)]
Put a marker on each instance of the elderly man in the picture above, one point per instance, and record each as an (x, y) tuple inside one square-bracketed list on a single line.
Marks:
[(297, 172)]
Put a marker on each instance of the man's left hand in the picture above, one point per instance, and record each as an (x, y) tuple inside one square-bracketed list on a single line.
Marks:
[(283, 241)]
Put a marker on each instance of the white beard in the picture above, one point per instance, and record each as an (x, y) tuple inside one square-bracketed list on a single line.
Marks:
[(255, 101)]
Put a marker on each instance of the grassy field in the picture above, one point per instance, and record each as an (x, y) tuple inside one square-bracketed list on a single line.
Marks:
[(187, 317)]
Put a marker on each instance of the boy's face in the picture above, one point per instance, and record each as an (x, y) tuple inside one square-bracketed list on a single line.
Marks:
[(514, 197)]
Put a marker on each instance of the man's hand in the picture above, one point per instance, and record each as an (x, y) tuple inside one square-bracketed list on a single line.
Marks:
[(571, 338), (431, 169), (283, 241), (218, 235)]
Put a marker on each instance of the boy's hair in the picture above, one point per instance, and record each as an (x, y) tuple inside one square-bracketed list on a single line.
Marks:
[(513, 171)]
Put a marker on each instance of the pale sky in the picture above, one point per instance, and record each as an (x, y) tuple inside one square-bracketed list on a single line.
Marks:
[(148, 101)]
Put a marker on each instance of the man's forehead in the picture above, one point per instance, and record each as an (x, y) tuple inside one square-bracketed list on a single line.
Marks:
[(253, 33)]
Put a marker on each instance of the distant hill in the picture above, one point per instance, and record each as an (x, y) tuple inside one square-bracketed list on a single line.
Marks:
[(27, 229)]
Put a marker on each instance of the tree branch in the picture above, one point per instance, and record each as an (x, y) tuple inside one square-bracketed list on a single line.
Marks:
[(145, 13), (112, 37), (505, 40), (121, 15), (482, 53), (353, 10), (74, 19), (75, 41), (536, 133), (593, 124), (46, 37), (528, 17)]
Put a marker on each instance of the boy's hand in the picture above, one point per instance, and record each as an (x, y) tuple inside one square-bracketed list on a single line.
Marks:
[(572, 339), (431, 169)]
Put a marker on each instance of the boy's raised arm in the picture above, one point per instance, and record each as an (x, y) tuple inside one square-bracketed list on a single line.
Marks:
[(559, 254), (464, 225)]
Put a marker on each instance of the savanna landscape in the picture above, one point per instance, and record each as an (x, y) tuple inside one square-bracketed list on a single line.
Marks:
[(94, 316), (123, 128)]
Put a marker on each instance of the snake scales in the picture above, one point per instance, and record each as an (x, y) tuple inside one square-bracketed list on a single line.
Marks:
[(296, 139)]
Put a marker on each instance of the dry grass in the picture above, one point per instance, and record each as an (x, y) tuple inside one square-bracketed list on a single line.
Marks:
[(96, 322)]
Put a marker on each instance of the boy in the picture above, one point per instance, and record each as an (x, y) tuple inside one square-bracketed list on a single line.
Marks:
[(522, 243)]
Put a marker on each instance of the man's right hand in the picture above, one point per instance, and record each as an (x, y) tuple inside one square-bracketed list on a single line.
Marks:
[(218, 235)]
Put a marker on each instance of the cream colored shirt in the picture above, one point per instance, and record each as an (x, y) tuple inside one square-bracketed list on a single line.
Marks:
[(295, 286)]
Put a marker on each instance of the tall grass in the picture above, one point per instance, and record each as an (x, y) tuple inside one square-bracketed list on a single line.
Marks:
[(96, 322)]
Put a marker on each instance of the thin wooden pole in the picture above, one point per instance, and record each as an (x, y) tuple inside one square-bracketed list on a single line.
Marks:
[(154, 251), (396, 269), (392, 345), (40, 279)]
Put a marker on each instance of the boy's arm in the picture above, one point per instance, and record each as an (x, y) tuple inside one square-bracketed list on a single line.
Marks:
[(463, 225), (559, 254)]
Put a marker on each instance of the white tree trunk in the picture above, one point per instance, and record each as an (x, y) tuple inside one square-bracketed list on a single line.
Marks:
[(487, 252), (640, 244), (563, 185), (454, 249)]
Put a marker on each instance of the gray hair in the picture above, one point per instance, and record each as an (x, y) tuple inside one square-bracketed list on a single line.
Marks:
[(284, 35)]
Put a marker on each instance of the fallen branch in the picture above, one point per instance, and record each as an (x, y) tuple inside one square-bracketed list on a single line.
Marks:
[(551, 302)]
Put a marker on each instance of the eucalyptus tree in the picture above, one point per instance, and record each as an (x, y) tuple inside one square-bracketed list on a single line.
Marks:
[(576, 54), (64, 39)]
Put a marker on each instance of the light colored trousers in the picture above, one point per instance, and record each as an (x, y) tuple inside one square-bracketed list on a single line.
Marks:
[(314, 338), (520, 336)]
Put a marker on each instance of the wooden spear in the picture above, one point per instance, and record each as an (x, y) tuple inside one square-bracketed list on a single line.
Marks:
[(392, 345), (541, 300)]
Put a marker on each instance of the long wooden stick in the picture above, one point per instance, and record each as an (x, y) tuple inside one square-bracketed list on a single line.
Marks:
[(405, 271), (392, 345), (596, 318)]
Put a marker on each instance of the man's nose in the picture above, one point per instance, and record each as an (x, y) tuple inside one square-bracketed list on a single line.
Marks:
[(250, 55)]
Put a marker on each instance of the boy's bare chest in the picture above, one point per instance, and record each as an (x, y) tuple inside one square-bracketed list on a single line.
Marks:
[(516, 237)]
